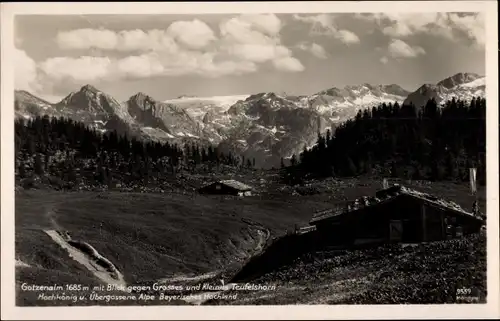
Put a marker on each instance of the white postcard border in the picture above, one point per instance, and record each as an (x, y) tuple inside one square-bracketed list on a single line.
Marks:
[(9, 311)]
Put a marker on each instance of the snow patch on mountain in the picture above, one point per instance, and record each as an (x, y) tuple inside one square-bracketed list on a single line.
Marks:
[(219, 100), (475, 83), (462, 86)]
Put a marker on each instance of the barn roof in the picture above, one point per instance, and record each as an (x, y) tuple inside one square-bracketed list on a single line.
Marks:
[(450, 205), (236, 185), (233, 184), (388, 195)]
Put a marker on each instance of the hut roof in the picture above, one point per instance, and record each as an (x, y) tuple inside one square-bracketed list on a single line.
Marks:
[(388, 195), (236, 185), (233, 184)]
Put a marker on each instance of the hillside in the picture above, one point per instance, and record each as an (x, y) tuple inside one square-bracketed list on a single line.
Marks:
[(185, 238), (63, 154), (148, 238), (428, 274), (434, 143)]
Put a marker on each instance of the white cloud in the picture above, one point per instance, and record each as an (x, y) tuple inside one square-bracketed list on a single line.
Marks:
[(314, 48), (82, 69), (384, 60), (25, 71), (289, 64), (473, 26), (267, 23), (85, 69), (194, 34), (397, 30), (255, 38), (257, 52), (400, 49), (324, 24), (347, 37), (184, 48), (401, 23), (453, 26), (145, 65), (238, 30), (152, 40), (318, 51), (229, 68), (87, 38), (320, 24)]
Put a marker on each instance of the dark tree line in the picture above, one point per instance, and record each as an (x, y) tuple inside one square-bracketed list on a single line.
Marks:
[(71, 151), (393, 140)]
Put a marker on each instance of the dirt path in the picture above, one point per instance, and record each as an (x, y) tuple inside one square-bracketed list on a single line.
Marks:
[(89, 261), (20, 263), (113, 276), (263, 236)]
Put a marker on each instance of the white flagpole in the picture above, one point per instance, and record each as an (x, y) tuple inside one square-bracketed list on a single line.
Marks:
[(472, 176), (473, 188)]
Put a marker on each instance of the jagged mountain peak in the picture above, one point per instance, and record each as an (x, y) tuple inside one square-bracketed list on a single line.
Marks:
[(257, 96), (27, 105), (94, 104), (395, 89), (264, 125), (458, 79), (392, 89), (26, 95), (462, 85), (89, 88), (334, 91), (425, 88), (87, 92), (140, 96)]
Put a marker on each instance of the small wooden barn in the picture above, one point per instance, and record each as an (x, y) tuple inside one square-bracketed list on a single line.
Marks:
[(227, 187), (396, 214)]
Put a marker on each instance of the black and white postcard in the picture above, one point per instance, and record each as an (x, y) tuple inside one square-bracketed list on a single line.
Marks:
[(283, 160)]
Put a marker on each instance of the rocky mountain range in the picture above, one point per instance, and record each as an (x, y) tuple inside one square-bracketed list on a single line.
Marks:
[(264, 126), (463, 86)]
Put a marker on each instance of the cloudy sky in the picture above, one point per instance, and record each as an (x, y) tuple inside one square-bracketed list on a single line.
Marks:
[(167, 56)]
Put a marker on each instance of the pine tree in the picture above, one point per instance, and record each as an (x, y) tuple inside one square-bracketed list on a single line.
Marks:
[(351, 167), (22, 169), (38, 164)]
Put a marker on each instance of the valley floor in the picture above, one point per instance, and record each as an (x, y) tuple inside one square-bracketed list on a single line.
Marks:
[(192, 239)]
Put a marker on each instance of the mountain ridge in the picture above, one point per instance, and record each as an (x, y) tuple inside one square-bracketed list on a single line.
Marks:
[(266, 125), (463, 86)]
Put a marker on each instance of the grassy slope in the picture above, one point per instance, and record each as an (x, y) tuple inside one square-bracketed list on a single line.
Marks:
[(153, 236), (390, 274), (148, 237)]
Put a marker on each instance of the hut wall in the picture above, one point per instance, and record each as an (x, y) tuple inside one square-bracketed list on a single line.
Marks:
[(373, 224), (432, 222), (468, 225), (218, 188), (404, 219)]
